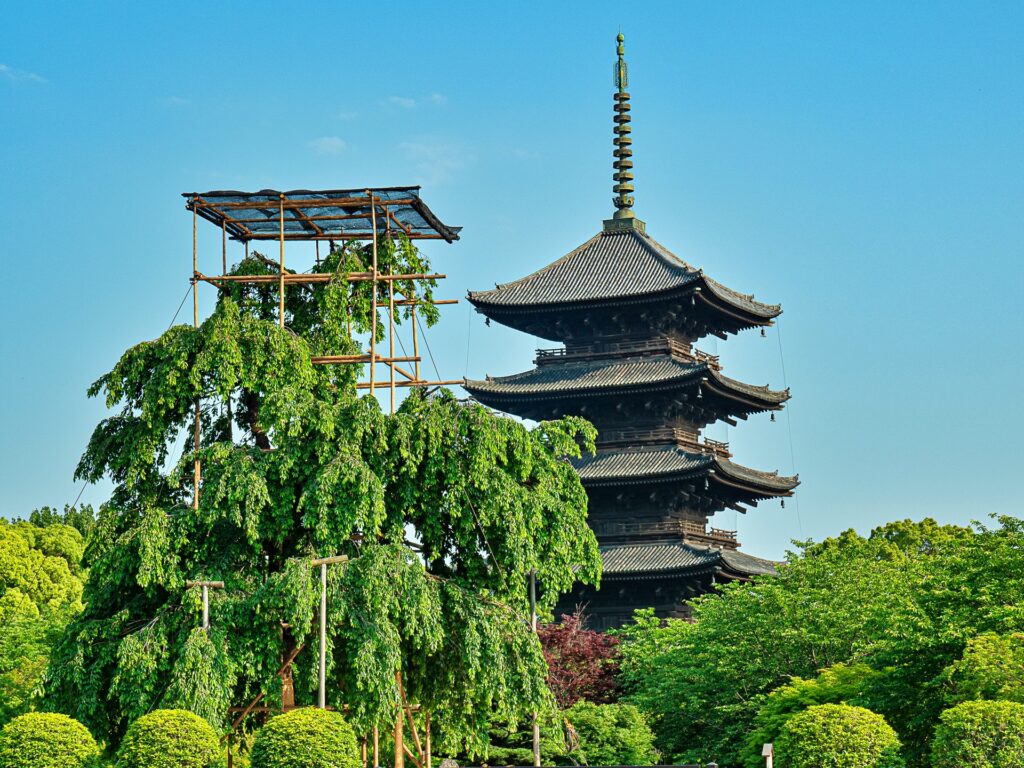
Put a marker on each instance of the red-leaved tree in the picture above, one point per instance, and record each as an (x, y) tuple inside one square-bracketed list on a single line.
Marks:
[(582, 663)]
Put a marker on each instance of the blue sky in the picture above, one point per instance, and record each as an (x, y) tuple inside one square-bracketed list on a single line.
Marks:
[(860, 163)]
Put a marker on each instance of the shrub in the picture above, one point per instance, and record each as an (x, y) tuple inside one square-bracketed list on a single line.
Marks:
[(838, 736), (981, 734), (169, 738), (306, 738), (46, 741), (611, 734)]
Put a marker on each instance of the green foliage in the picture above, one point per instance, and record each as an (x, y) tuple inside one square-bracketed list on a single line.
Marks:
[(992, 667), (904, 601), (40, 590), (169, 738), (838, 736), (82, 519), (294, 466), (306, 738), (609, 734), (46, 741), (980, 734), (840, 684)]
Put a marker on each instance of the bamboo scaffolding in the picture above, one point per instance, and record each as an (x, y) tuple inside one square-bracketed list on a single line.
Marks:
[(416, 383), (320, 277)]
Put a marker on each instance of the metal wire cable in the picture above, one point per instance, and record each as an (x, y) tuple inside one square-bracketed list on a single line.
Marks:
[(789, 426)]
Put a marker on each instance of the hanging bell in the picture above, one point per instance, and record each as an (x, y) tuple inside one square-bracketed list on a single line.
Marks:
[(773, 417), (783, 503), (763, 334)]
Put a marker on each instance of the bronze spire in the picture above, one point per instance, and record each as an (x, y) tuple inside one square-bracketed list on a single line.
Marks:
[(624, 217)]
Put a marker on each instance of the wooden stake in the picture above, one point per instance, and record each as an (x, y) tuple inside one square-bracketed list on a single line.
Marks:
[(223, 248), (376, 747)]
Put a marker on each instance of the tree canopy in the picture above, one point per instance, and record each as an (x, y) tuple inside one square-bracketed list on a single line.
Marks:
[(903, 602), (444, 509)]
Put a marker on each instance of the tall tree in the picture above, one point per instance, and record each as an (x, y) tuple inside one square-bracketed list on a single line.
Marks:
[(444, 509), (903, 602)]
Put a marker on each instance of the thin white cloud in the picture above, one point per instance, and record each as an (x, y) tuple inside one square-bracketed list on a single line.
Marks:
[(438, 99), (19, 75), (328, 145), (402, 101), (175, 101), (347, 115), (406, 102), (435, 160)]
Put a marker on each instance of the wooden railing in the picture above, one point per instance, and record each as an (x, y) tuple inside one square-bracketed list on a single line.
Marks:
[(643, 346), (687, 529), (656, 435)]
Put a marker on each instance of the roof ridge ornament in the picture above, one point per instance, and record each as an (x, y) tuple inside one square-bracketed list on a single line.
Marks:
[(624, 218)]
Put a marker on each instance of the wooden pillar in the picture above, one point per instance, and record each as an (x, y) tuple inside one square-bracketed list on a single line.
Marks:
[(426, 736), (281, 267), (376, 747), (196, 467), (399, 723), (415, 337), (373, 300)]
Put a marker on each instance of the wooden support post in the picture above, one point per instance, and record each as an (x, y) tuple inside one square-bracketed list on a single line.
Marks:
[(376, 747), (373, 304), (322, 693), (533, 626), (415, 337), (391, 312), (317, 244), (196, 467), (281, 283), (224, 248), (426, 736), (323, 562), (399, 727), (206, 587), (391, 337)]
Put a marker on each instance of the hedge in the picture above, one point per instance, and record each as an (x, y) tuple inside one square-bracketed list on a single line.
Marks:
[(306, 738), (838, 736), (169, 738), (981, 734), (46, 741)]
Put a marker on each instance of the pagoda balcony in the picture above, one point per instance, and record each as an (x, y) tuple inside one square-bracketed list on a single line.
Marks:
[(626, 348), (660, 435), (689, 530)]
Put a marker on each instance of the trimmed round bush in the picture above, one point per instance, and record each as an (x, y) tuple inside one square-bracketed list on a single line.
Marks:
[(838, 736), (169, 738), (981, 734), (306, 738), (45, 740)]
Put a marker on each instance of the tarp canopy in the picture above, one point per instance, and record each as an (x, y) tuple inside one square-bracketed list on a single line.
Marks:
[(332, 214)]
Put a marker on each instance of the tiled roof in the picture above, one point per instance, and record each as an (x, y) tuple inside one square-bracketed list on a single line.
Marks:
[(655, 558), (611, 265), (612, 373), (754, 566), (658, 556), (648, 463), (591, 374), (651, 463)]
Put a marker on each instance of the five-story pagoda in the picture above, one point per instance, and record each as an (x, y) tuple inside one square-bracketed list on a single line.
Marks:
[(628, 312)]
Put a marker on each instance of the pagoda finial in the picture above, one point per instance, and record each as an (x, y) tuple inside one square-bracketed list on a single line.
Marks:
[(624, 217)]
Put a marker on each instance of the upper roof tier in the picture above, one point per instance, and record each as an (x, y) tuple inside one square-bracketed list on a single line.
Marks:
[(671, 464), (675, 558), (576, 383), (621, 269)]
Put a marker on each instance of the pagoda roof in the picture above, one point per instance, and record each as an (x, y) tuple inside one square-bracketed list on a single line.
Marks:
[(601, 375), (666, 463), (613, 266), (664, 558)]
